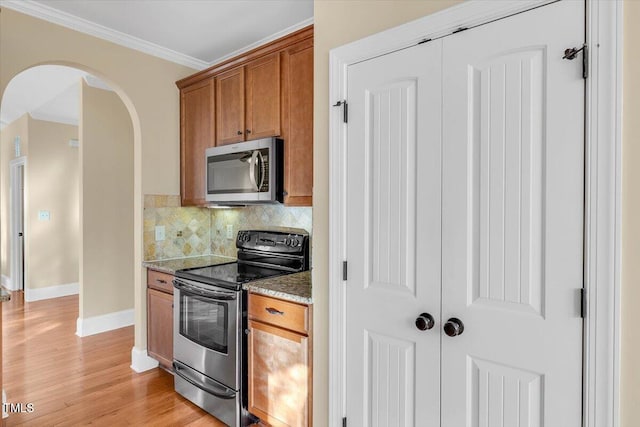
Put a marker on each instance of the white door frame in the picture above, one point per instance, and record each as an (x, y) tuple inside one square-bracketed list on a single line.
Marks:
[(14, 212), (602, 188)]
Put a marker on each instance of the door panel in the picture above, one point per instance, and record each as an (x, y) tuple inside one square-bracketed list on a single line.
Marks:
[(393, 196), (230, 107), (263, 97), (503, 395), (513, 220), (198, 130), (505, 98)]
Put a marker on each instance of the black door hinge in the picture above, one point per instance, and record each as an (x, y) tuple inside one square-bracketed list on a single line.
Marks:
[(344, 422), (583, 303), (345, 109), (571, 54), (344, 270)]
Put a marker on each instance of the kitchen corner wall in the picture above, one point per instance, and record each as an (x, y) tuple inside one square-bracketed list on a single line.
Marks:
[(193, 231)]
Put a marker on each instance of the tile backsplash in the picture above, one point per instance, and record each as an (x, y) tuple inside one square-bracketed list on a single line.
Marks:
[(187, 230), (253, 217), (192, 231)]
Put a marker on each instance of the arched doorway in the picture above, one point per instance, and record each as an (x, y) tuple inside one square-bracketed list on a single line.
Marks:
[(108, 130)]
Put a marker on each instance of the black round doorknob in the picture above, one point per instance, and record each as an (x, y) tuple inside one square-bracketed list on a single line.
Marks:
[(425, 322), (454, 327)]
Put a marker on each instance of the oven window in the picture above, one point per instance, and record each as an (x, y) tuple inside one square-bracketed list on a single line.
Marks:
[(204, 321)]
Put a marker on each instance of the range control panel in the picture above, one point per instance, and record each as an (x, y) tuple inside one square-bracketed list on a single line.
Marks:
[(290, 242)]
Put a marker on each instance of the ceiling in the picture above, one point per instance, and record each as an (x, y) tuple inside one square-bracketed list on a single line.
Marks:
[(195, 33)]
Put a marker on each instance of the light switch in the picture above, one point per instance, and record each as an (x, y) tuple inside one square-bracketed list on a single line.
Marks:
[(44, 216), (160, 233), (229, 231)]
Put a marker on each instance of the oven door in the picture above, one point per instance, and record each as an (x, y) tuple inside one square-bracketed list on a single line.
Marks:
[(207, 327)]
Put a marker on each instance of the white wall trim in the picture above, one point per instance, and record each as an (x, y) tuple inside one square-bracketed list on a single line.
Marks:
[(6, 282), (140, 360), (602, 178), (603, 213), (57, 291), (85, 26), (103, 323)]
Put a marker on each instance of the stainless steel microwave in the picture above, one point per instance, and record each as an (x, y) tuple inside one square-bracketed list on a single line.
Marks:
[(245, 173)]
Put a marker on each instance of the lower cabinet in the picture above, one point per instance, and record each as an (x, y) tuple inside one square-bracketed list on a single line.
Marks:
[(160, 318), (280, 368)]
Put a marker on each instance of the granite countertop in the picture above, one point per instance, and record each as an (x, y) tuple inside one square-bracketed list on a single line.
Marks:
[(5, 296), (172, 265), (292, 287)]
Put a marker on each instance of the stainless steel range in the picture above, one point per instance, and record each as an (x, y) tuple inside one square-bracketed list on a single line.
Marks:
[(210, 320)]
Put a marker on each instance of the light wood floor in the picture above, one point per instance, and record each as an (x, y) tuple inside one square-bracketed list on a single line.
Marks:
[(78, 381)]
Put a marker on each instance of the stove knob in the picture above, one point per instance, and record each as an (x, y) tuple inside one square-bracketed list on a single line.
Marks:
[(287, 242), (297, 242)]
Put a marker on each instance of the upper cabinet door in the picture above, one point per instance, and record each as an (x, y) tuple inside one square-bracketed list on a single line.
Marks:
[(230, 106), (297, 132), (197, 126), (263, 97)]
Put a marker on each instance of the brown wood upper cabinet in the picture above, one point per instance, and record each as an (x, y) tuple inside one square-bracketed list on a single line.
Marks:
[(197, 126), (265, 92), (248, 101), (297, 103)]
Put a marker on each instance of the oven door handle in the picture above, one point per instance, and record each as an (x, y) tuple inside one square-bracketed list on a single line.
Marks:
[(204, 292), (216, 390)]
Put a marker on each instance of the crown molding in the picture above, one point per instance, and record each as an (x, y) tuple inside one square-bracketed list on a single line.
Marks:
[(300, 25), (67, 20), (50, 14)]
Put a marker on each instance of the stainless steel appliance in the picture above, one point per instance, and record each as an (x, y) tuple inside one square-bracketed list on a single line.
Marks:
[(210, 319), (245, 173)]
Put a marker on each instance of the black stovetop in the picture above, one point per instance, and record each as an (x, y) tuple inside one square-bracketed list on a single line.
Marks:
[(231, 275), (261, 254)]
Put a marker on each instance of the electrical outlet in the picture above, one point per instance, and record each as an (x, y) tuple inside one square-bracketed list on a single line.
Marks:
[(160, 233), (229, 231)]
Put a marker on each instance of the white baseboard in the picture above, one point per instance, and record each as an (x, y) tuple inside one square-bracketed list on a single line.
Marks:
[(103, 323), (49, 292), (140, 360), (7, 282), (5, 414)]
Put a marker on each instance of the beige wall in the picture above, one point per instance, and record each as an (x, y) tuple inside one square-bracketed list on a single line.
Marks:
[(337, 23), (51, 247), (630, 293), (19, 127), (146, 85), (106, 204)]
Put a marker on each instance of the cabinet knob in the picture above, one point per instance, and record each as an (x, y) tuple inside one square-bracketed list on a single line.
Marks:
[(248, 131), (239, 132)]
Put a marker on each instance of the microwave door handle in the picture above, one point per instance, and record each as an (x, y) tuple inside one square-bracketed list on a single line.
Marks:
[(252, 172), (262, 169)]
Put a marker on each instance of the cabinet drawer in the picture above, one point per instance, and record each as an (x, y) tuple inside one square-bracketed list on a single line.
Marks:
[(289, 315), (160, 281)]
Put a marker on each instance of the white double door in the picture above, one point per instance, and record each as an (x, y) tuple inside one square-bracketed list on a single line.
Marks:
[(465, 201)]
